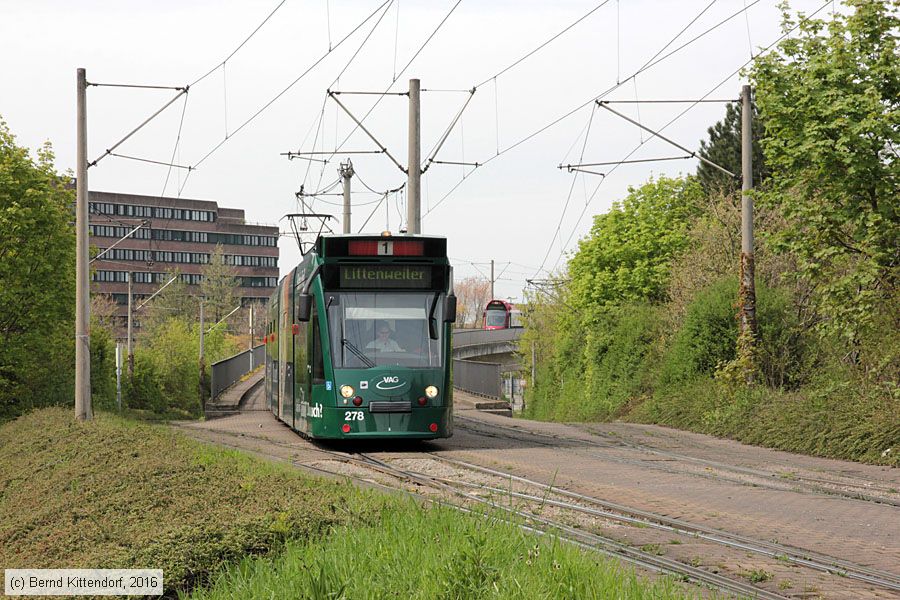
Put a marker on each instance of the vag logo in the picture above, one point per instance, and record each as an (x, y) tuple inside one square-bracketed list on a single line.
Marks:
[(315, 411), (389, 382)]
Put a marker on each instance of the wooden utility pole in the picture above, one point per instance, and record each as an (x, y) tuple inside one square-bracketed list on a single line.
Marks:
[(414, 167), (748, 285), (83, 410)]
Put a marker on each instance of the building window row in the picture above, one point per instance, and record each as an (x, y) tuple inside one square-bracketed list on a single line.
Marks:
[(258, 281), (177, 235), (157, 212), (122, 299), (240, 260), (207, 237), (114, 231), (194, 258), (188, 278), (128, 254)]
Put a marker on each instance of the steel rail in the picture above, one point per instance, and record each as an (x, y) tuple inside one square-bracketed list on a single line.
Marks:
[(798, 556), (596, 542)]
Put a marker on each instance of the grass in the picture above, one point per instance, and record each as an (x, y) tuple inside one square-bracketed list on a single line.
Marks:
[(115, 493), (757, 575), (850, 422), (433, 552), (119, 493)]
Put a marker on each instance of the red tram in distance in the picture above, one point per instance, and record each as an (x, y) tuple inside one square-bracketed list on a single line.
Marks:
[(500, 314)]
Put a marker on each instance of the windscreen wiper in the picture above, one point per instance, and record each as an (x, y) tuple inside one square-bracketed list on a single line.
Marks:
[(432, 326), (356, 351)]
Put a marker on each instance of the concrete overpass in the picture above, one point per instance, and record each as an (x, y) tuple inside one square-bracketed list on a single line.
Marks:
[(475, 343), (485, 363)]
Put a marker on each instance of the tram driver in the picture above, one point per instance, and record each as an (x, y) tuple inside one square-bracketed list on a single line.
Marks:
[(384, 342)]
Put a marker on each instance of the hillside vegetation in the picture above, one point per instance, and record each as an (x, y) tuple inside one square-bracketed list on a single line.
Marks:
[(114, 493), (643, 324)]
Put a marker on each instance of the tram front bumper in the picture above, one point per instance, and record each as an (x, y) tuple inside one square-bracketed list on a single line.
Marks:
[(351, 422)]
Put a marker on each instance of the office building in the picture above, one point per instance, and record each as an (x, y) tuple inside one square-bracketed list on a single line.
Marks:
[(175, 234)]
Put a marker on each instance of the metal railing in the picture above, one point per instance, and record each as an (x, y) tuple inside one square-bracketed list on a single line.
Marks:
[(227, 372), (479, 378), (477, 337)]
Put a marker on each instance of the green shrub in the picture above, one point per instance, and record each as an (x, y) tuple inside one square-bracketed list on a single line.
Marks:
[(167, 366), (103, 369), (707, 338)]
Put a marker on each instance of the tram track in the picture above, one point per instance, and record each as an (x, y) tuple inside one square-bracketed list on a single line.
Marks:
[(763, 478), (616, 511), (463, 494)]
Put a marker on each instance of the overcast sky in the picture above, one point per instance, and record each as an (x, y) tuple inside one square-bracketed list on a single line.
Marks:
[(510, 210)]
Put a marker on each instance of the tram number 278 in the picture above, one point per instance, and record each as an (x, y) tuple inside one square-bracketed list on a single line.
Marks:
[(353, 415)]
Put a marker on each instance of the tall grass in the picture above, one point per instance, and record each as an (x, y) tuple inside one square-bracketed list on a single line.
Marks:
[(434, 552)]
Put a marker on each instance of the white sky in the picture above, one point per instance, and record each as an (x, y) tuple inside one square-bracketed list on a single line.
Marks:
[(508, 210)]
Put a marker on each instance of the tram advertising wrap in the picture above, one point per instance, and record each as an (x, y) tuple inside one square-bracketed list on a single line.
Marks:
[(359, 339)]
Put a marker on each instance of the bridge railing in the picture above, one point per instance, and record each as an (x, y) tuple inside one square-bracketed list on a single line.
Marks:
[(227, 372), (479, 378), (476, 337)]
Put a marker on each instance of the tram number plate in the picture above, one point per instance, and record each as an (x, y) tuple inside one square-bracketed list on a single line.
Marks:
[(354, 415), (385, 248)]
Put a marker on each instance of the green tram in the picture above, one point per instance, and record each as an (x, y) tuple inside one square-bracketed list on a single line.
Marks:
[(358, 339)]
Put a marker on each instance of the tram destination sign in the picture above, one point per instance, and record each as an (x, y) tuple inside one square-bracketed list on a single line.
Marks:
[(386, 276)]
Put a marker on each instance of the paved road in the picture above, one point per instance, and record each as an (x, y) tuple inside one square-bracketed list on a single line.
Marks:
[(769, 495)]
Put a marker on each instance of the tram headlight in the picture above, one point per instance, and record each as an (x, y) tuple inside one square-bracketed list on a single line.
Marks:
[(431, 391), (347, 391)]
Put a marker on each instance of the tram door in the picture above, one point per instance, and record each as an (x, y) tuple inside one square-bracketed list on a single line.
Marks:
[(286, 360), (300, 375), (314, 389)]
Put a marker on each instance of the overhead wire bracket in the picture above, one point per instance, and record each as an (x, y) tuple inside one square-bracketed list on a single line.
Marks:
[(603, 104), (367, 132)]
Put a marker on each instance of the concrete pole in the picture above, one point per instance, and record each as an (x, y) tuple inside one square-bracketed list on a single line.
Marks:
[(119, 375), (251, 337), (83, 410), (492, 279), (202, 360), (346, 171), (748, 286), (130, 336), (414, 168)]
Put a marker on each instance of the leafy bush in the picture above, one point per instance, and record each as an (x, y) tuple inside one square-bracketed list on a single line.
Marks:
[(707, 338), (167, 366), (37, 280)]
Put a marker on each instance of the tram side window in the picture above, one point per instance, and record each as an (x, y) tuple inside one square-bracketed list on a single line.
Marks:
[(318, 362)]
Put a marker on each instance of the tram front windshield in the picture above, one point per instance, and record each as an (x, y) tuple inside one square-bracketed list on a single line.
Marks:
[(370, 329), (495, 317)]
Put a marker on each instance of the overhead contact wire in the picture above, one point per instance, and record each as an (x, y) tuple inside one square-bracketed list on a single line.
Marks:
[(292, 84)]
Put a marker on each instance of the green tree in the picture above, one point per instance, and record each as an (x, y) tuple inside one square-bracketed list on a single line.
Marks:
[(724, 148), (171, 302), (37, 294), (626, 256), (830, 103), (218, 285)]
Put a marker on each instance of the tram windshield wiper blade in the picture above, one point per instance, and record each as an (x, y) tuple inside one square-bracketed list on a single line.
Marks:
[(432, 325), (356, 351)]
